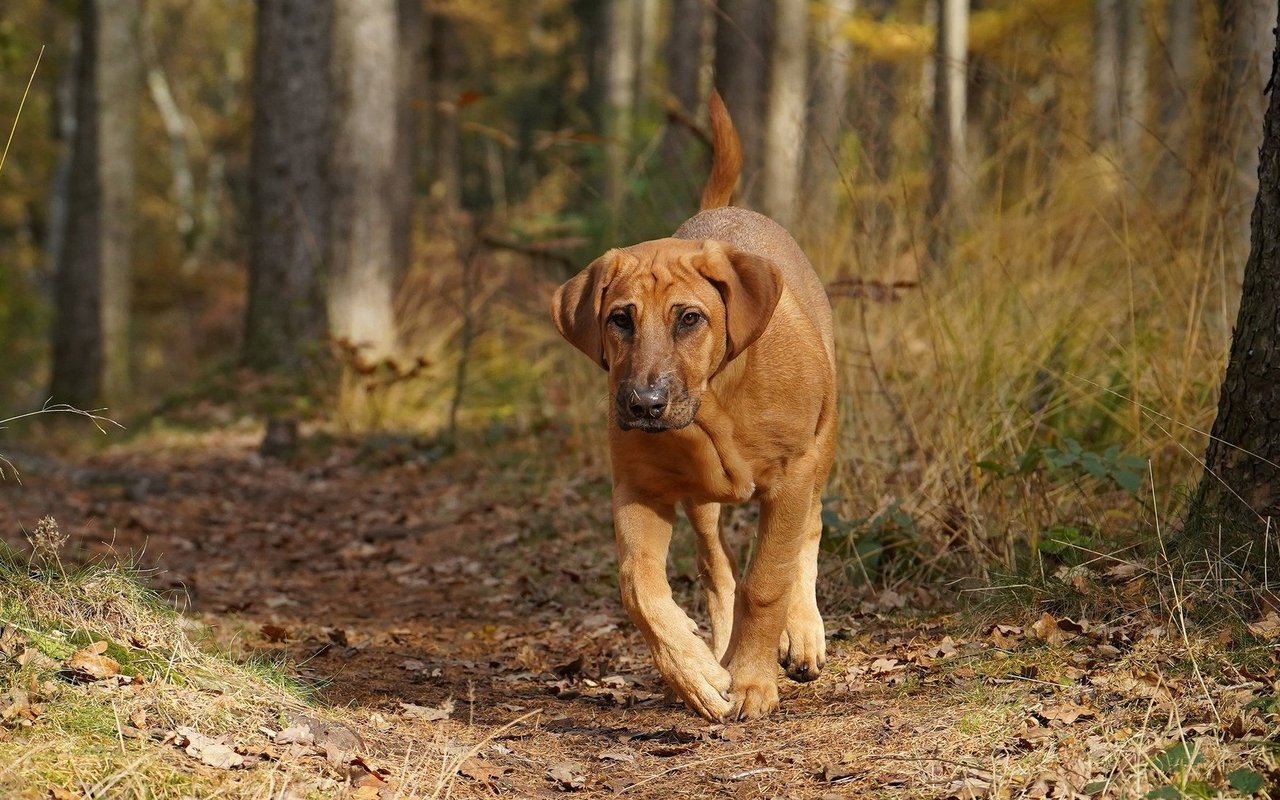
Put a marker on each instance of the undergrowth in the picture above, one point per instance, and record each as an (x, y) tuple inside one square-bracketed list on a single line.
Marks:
[(96, 675)]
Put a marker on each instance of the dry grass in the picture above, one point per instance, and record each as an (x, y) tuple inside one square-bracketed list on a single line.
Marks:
[(68, 734)]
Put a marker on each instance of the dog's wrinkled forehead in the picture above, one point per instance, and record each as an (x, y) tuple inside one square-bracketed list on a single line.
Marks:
[(652, 272)]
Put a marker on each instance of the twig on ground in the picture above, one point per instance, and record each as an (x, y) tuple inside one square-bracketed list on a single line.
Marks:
[(679, 767)]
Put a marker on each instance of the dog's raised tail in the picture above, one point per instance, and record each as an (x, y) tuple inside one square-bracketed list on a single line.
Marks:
[(726, 156)]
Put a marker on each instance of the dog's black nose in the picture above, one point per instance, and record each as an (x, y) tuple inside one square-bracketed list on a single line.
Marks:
[(650, 402)]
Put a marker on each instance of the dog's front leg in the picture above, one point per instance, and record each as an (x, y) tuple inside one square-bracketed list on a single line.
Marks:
[(642, 528), (765, 596)]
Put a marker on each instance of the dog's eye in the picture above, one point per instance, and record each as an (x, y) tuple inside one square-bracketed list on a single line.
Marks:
[(620, 320), (689, 319)]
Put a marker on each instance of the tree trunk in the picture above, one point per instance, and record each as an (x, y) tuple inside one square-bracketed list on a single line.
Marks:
[(77, 331), (1240, 488), (949, 178), (288, 183), (1235, 104), (830, 88), (119, 89), (784, 128), (647, 43), (743, 45), (445, 58), (1106, 71), (878, 106), (413, 82), (1119, 77), (1133, 80), (684, 68), (363, 216), (620, 97), (92, 293), (1176, 84)]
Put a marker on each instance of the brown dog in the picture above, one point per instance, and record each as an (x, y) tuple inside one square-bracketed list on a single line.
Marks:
[(721, 359)]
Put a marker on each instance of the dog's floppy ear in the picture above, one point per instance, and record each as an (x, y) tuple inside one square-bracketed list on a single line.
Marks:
[(750, 286), (575, 307)]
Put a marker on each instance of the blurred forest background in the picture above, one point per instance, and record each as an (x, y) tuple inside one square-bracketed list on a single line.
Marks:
[(1032, 216)]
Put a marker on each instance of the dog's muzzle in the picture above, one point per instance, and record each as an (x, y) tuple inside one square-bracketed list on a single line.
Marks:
[(652, 408)]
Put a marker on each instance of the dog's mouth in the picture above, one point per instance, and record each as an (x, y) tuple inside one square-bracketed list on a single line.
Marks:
[(652, 425)]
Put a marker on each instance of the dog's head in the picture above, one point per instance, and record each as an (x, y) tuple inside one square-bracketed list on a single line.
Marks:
[(662, 318)]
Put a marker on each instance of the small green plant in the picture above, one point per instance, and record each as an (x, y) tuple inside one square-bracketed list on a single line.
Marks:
[(867, 542), (1124, 471)]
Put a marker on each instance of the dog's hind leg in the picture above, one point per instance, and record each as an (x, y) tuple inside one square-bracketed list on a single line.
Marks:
[(716, 570)]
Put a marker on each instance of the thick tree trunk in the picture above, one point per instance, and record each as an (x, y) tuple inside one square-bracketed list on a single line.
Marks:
[(288, 183), (949, 177), (363, 216), (92, 295), (77, 331), (788, 100), (743, 45), (830, 88), (1241, 485), (1235, 104)]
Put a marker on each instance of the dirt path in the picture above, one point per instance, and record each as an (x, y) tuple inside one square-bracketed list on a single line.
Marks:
[(485, 581)]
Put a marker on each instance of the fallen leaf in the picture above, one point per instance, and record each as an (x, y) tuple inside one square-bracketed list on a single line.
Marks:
[(1067, 714), (1267, 628), (837, 773), (214, 752), (430, 714), (477, 769), (568, 776), (626, 756), (1034, 736), (17, 707), (1006, 637), (220, 756), (89, 663), (275, 633), (1046, 629)]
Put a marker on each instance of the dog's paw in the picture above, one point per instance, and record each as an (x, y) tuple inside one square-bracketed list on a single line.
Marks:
[(754, 693), (698, 680), (802, 649)]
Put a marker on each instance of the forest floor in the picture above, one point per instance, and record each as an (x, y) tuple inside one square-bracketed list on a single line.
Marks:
[(459, 615)]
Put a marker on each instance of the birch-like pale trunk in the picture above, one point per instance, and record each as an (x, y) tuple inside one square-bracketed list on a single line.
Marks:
[(785, 120), (363, 217), (830, 89), (119, 91)]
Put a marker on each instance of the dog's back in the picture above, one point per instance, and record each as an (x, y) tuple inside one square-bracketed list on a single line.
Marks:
[(752, 232)]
